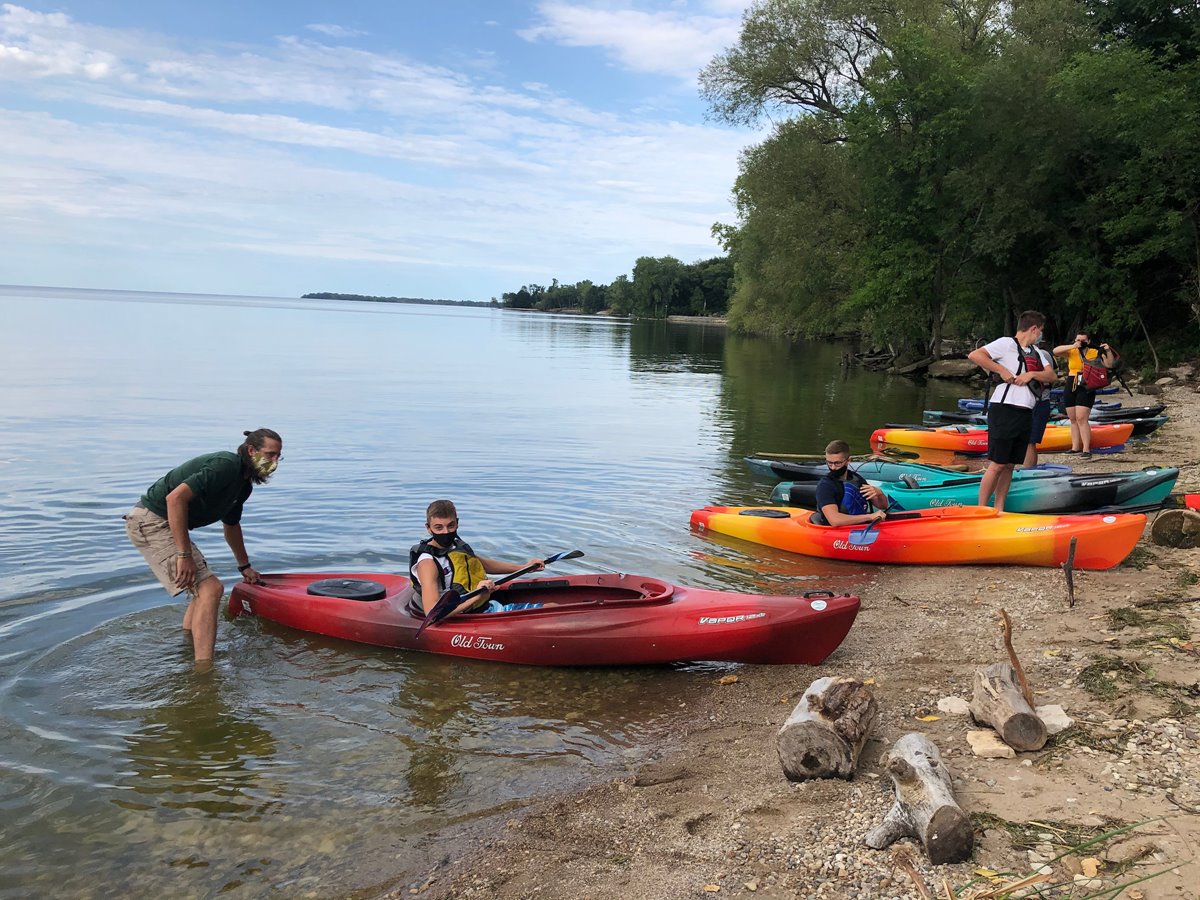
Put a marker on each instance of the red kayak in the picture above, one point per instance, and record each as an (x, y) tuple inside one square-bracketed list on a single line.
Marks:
[(595, 620)]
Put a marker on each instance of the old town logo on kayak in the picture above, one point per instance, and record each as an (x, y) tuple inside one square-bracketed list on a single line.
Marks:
[(945, 501), (475, 642), (727, 620), (1043, 527), (975, 443), (846, 545)]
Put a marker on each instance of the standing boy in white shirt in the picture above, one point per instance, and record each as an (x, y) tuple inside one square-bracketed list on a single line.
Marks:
[(1017, 368)]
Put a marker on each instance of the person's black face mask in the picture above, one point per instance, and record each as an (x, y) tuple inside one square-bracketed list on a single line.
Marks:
[(838, 472), (445, 539)]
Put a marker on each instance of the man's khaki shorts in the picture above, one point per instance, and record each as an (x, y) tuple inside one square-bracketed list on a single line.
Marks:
[(151, 534)]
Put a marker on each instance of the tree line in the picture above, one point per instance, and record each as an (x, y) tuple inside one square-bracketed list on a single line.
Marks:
[(366, 298), (936, 166), (660, 287)]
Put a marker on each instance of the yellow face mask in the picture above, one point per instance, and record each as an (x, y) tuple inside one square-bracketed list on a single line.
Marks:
[(263, 466)]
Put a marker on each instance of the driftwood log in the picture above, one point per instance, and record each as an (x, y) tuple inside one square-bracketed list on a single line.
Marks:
[(1178, 528), (1000, 703), (825, 733), (925, 807)]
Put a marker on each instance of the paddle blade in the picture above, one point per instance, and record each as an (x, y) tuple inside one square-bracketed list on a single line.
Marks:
[(570, 554), (445, 605), (864, 536)]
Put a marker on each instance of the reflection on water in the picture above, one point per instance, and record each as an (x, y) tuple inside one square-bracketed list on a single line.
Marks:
[(123, 772)]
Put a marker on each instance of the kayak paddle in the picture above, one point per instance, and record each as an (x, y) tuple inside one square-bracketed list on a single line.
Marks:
[(866, 536), (453, 597)]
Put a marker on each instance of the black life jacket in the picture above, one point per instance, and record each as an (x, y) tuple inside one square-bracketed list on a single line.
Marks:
[(466, 571), (1031, 361)]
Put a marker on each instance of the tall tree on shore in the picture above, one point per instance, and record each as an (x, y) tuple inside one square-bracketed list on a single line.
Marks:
[(962, 160), (896, 86)]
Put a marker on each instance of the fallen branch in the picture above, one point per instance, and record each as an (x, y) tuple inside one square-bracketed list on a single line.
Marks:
[(1012, 655), (1184, 807), (1069, 573)]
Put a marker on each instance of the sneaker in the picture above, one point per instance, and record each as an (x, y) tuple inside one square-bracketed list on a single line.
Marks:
[(1086, 454), (1068, 452)]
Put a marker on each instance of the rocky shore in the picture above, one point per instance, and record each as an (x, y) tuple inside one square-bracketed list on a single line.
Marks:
[(1112, 800)]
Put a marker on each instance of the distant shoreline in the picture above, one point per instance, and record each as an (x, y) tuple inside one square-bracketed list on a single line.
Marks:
[(716, 321), (364, 298)]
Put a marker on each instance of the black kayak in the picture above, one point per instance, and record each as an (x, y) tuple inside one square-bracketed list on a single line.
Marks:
[(1142, 426), (1099, 416), (882, 470)]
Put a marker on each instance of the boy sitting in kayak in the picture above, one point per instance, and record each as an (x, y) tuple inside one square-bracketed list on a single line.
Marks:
[(844, 497), (443, 560)]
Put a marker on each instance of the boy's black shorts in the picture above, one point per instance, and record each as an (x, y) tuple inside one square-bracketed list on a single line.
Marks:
[(1008, 433)]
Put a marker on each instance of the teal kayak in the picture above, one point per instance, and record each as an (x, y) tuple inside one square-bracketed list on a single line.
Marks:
[(1058, 493), (881, 470)]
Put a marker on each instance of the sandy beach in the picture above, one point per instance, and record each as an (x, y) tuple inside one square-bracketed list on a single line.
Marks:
[(712, 814)]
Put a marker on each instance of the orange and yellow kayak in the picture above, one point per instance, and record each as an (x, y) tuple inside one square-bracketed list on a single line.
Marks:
[(962, 535), (974, 438)]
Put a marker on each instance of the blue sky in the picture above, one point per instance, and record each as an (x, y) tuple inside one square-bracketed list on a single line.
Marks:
[(452, 150)]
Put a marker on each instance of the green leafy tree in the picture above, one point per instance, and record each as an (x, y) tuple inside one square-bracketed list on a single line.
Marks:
[(620, 295), (656, 283)]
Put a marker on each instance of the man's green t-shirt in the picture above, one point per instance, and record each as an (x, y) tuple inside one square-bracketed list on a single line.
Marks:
[(219, 487)]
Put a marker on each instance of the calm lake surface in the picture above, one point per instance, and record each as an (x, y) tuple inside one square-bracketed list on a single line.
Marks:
[(303, 765)]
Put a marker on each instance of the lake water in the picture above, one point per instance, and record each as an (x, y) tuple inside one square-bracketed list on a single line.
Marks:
[(307, 765)]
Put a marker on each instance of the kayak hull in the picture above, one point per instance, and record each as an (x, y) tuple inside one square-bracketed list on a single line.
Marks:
[(973, 439), (587, 620), (977, 405), (963, 535), (879, 470), (1059, 494), (1142, 425)]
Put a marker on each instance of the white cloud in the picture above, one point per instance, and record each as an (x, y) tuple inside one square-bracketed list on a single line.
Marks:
[(310, 153), (672, 42), (336, 31)]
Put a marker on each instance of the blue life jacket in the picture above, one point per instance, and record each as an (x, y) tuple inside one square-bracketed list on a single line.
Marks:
[(853, 503)]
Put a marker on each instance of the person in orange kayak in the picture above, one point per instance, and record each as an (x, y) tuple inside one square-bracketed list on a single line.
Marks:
[(194, 494), (445, 560), (1078, 399), (1020, 378), (844, 497)]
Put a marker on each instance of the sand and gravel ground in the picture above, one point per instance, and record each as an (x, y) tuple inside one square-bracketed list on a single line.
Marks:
[(712, 814)]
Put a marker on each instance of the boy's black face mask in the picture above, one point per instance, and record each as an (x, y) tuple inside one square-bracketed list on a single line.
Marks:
[(445, 539)]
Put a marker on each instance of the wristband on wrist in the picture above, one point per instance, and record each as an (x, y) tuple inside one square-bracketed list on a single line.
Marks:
[(184, 555), (243, 568)]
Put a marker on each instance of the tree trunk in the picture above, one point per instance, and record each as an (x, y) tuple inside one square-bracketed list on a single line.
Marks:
[(825, 733), (998, 702), (925, 807)]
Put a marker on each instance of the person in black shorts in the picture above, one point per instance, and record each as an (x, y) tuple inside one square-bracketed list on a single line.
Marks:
[(1078, 399), (1020, 378)]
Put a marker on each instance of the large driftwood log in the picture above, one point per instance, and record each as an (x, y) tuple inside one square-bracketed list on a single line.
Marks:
[(825, 733), (1178, 528), (925, 807), (1000, 703)]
